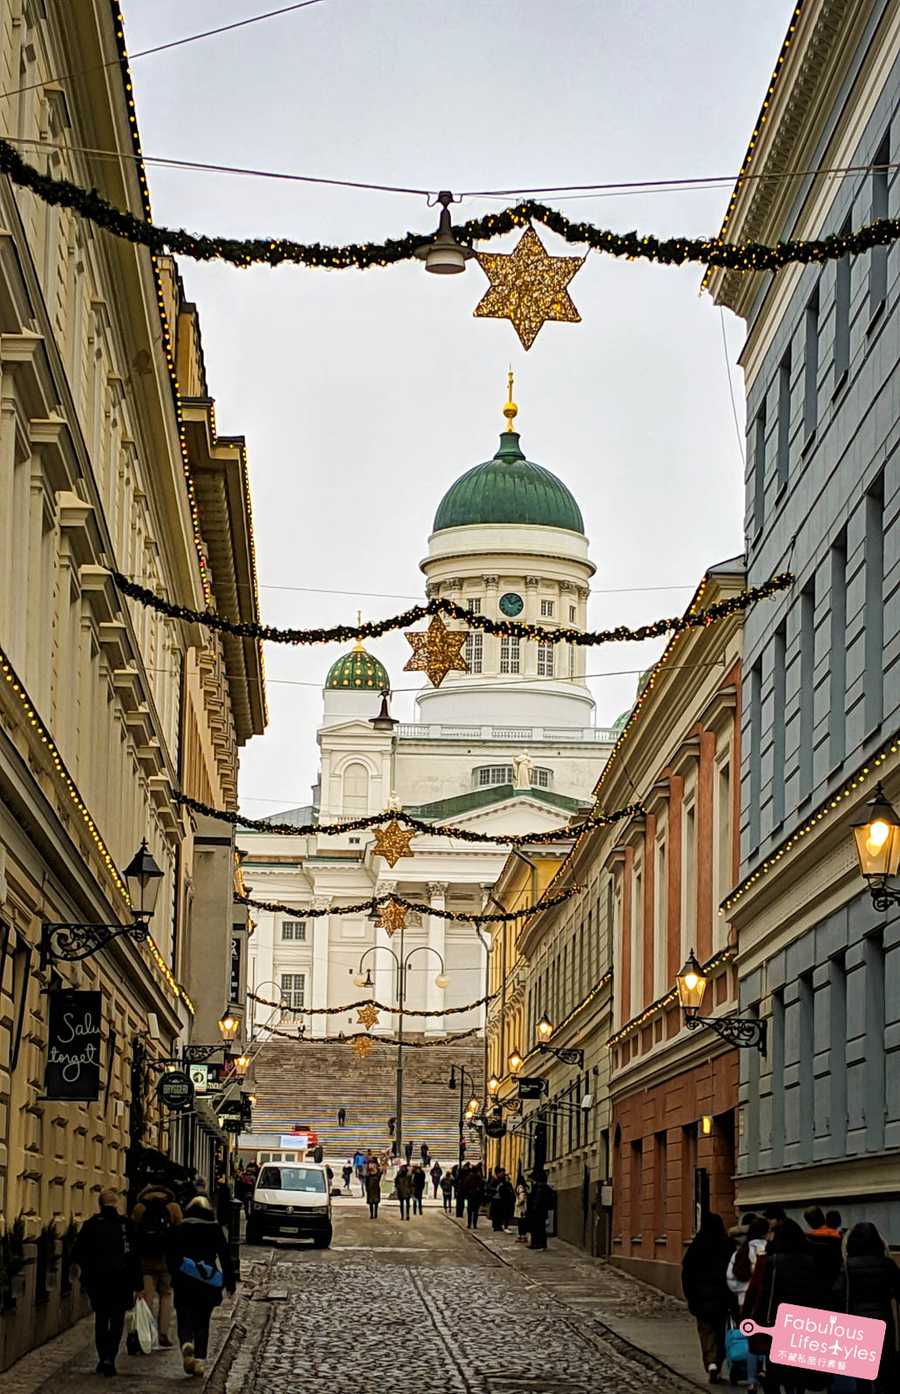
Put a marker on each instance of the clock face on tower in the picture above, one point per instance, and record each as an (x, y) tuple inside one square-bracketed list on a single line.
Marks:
[(511, 604)]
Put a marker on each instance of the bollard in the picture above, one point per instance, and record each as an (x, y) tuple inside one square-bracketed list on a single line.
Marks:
[(234, 1236)]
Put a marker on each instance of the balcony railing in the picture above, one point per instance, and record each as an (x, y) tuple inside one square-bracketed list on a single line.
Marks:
[(521, 735)]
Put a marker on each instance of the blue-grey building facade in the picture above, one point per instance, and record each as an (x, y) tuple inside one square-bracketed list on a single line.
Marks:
[(820, 1112)]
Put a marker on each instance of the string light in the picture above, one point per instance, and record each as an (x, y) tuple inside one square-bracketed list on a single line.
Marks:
[(419, 907), (370, 1001), (657, 1008)]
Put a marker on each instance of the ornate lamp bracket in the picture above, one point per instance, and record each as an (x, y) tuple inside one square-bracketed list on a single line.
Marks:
[(744, 1032), (72, 942), (569, 1055)]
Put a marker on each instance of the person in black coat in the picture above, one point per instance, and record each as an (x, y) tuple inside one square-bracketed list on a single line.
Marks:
[(703, 1279), (419, 1178), (825, 1246), (196, 1249), (867, 1287), (108, 1260), (786, 1272), (541, 1200)]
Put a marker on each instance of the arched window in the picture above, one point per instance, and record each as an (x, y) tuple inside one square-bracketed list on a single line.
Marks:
[(356, 789)]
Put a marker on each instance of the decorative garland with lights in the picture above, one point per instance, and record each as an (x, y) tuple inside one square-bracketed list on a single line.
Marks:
[(370, 1002), (342, 1039), (224, 815), (655, 1008), (373, 629), (275, 251), (460, 916)]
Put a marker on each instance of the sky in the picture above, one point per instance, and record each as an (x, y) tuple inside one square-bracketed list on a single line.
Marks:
[(363, 395)]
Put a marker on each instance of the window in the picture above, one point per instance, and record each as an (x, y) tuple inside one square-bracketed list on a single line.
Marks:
[(547, 609), (308, 1180), (660, 1183), (689, 890), (837, 1017), (838, 651), (842, 312), (811, 367), (723, 849), (545, 660), (759, 468), (755, 754), (509, 654), (874, 606), (878, 266), (779, 644), (807, 679), (541, 777), (474, 651), (636, 1188), (660, 936), (356, 789), (493, 774), (294, 929), (783, 446), (473, 605), (571, 614), (293, 990), (637, 942)]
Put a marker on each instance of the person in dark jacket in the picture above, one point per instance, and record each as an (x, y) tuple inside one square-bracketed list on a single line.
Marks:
[(473, 1194), (459, 1174), (154, 1215), (786, 1272), (108, 1261), (825, 1246), (868, 1286), (503, 1201), (437, 1172), (703, 1279), (196, 1248), (403, 1187), (373, 1188), (447, 1192), (419, 1179), (541, 1200)]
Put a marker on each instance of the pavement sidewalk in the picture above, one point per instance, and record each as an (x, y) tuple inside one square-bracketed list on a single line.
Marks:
[(592, 1289)]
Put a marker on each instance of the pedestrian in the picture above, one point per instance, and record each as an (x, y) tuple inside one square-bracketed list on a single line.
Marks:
[(243, 1188), (738, 1232), (703, 1279), (108, 1261), (869, 1286), (521, 1209), (474, 1191), (825, 1244), (392, 1123), (223, 1200), (154, 1215), (437, 1172), (419, 1180), (461, 1175), (424, 1154), (738, 1275), (447, 1192), (785, 1272), (403, 1187), (342, 1117), (373, 1189), (346, 1173), (200, 1262), (541, 1201), (833, 1221), (407, 1152), (503, 1201)]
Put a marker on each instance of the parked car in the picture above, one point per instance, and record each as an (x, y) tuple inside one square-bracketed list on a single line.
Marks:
[(292, 1201)]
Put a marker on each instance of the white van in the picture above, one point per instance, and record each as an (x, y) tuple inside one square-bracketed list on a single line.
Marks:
[(291, 1199)]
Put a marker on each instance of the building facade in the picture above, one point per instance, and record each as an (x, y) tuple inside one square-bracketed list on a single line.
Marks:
[(509, 745), (105, 709), (820, 1115)]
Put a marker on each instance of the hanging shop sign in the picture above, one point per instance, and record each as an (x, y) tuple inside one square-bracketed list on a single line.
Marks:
[(235, 978), (532, 1087), (73, 1046), (495, 1127), (199, 1077), (175, 1090)]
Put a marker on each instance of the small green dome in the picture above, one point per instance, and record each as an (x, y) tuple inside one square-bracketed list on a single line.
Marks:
[(509, 489), (358, 669), (622, 721)]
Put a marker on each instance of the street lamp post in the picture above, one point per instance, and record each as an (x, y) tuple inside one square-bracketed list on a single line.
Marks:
[(464, 1075), (71, 942), (744, 1032), (402, 962)]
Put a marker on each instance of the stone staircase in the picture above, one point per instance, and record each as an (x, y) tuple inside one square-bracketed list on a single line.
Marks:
[(307, 1085)]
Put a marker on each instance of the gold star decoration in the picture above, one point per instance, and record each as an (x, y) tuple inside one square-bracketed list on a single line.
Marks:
[(361, 1046), (392, 916), (437, 651), (392, 841), (528, 287), (367, 1016)]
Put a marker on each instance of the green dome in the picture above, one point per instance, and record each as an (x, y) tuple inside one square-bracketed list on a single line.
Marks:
[(360, 670), (509, 489)]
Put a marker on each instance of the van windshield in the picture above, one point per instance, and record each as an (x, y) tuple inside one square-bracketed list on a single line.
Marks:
[(291, 1179)]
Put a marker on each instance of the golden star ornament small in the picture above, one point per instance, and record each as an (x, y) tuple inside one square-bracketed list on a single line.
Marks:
[(437, 651), (528, 287), (367, 1016), (361, 1046), (392, 841), (391, 917)]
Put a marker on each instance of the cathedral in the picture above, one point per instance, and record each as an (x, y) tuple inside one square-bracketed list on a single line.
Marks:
[(510, 745)]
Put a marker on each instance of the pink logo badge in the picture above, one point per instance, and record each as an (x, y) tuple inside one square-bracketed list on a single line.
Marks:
[(814, 1339)]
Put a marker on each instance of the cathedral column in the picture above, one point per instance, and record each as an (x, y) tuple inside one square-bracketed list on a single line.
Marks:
[(383, 969), (491, 644), (318, 990), (434, 995), (527, 650)]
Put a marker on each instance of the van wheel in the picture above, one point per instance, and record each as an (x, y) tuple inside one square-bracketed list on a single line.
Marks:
[(252, 1235), (322, 1241)]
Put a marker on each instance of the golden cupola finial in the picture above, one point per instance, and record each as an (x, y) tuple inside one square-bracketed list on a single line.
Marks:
[(359, 646), (510, 411)]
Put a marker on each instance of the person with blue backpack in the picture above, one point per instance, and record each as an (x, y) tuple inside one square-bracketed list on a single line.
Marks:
[(200, 1263)]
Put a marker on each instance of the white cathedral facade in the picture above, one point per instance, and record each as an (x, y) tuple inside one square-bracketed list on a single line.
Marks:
[(508, 746)]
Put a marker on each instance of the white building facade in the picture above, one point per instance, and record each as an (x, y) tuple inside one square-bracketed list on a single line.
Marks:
[(508, 746)]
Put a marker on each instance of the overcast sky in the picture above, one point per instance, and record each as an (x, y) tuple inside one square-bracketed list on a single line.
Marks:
[(363, 395)]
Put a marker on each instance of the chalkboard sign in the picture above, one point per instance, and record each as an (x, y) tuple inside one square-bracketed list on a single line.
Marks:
[(73, 1046)]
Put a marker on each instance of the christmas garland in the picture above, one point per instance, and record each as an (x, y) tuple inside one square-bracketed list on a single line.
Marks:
[(268, 251), (370, 1002), (373, 629), (568, 830), (460, 916), (302, 1039)]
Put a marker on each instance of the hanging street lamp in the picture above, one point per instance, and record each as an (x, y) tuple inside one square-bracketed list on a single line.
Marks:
[(746, 1032), (878, 849), (65, 941)]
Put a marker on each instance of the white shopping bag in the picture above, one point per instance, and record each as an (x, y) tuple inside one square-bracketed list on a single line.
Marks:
[(145, 1326)]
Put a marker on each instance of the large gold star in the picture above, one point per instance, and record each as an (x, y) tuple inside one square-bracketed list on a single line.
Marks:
[(528, 286), (361, 1046), (437, 652), (367, 1016), (392, 841), (392, 916)]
